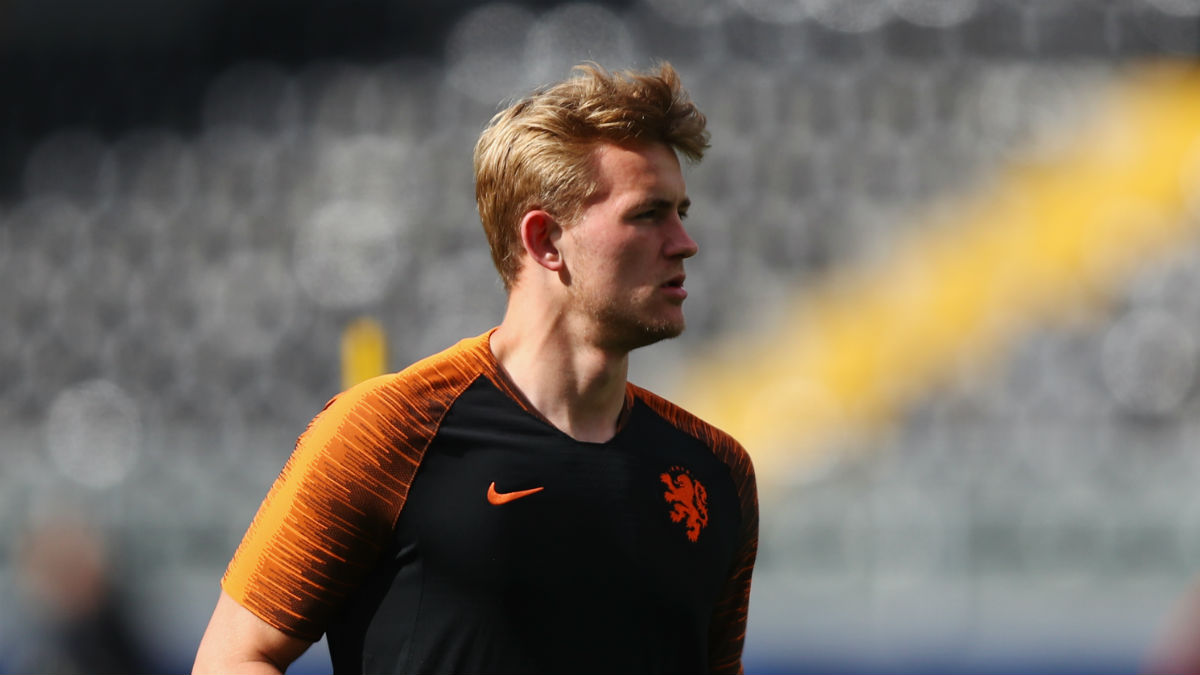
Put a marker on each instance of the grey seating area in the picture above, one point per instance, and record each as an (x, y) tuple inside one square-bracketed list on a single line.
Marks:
[(173, 296)]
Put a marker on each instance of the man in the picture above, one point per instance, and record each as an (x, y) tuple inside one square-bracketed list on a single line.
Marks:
[(513, 504)]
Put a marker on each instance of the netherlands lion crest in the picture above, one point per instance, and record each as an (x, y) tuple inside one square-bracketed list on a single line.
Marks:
[(688, 501)]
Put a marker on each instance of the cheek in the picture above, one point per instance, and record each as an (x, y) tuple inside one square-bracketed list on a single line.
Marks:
[(625, 268), (613, 260)]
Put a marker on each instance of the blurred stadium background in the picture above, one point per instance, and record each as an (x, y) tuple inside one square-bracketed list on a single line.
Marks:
[(947, 295)]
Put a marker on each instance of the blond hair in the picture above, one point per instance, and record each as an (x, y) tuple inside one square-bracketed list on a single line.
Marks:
[(538, 152)]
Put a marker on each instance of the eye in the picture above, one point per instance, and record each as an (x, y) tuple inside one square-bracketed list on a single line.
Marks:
[(683, 214)]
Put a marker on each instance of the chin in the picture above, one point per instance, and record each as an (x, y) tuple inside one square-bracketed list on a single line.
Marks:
[(627, 326), (644, 334)]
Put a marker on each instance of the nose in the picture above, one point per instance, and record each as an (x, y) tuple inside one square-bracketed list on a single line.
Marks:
[(679, 243)]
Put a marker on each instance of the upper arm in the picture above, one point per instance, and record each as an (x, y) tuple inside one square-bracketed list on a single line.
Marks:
[(730, 615), (237, 641), (330, 514)]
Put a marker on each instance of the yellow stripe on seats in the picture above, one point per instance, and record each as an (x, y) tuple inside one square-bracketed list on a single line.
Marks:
[(1042, 241), (364, 351)]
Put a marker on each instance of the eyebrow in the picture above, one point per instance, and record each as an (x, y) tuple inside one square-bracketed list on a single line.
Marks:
[(659, 203)]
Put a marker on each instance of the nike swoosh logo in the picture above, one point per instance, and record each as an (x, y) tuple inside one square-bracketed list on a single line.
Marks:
[(506, 497)]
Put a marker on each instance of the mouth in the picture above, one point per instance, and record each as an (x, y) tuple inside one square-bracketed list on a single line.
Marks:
[(673, 288)]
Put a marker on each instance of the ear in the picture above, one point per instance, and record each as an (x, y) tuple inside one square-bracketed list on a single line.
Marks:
[(540, 233)]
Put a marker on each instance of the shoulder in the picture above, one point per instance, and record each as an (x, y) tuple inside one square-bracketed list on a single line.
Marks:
[(683, 420), (724, 446), (467, 359), (398, 408), (431, 382)]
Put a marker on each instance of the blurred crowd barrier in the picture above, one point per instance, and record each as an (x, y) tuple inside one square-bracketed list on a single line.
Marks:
[(948, 293)]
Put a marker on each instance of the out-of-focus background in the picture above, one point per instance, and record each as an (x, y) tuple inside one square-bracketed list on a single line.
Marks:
[(948, 295)]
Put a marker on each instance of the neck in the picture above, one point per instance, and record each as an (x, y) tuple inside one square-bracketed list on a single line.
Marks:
[(577, 386)]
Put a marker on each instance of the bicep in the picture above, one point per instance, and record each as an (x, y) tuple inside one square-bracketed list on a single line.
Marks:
[(728, 631), (237, 641)]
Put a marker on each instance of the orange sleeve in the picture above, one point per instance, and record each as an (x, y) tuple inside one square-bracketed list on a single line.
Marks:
[(332, 509)]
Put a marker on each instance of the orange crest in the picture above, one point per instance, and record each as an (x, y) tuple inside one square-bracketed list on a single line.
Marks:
[(688, 500)]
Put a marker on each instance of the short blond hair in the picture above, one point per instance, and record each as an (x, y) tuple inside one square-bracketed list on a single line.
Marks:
[(538, 152)]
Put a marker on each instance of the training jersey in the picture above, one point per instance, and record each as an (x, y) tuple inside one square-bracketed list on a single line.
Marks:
[(433, 521)]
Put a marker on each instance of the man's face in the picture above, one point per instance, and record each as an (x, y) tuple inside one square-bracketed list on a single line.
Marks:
[(624, 255)]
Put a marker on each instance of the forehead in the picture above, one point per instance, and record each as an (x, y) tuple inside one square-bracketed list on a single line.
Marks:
[(638, 171)]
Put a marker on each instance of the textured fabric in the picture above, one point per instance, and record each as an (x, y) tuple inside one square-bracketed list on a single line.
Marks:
[(432, 521)]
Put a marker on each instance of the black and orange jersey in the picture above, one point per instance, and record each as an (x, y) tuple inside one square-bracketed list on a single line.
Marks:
[(432, 521)]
